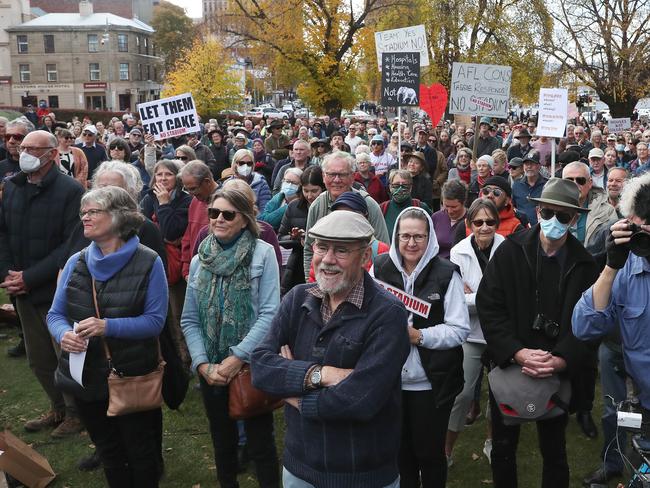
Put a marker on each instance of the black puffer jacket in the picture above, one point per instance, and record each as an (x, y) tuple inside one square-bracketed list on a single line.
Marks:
[(35, 222), (295, 216)]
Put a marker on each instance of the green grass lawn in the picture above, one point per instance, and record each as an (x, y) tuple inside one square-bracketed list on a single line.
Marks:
[(10, 114), (188, 450)]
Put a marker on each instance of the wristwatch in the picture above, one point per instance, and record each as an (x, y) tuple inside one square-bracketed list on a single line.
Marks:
[(315, 377), (421, 339)]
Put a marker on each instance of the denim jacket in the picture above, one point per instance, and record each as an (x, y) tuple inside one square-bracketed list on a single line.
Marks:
[(265, 297)]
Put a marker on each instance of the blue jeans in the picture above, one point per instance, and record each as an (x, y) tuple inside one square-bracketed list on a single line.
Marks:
[(291, 481), (612, 380)]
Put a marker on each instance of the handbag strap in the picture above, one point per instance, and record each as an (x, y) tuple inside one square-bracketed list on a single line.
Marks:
[(107, 352)]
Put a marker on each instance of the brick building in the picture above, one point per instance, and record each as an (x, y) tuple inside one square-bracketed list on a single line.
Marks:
[(83, 60)]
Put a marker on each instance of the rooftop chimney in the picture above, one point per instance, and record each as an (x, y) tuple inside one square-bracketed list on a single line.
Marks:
[(85, 8)]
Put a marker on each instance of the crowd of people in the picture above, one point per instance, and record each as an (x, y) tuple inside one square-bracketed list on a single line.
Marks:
[(284, 246)]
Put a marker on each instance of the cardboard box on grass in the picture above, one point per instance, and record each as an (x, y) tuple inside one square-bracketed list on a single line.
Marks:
[(24, 463)]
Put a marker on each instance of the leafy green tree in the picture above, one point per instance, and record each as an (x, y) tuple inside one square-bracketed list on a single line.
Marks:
[(173, 30)]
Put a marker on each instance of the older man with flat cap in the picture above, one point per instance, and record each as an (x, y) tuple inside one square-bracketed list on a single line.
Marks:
[(335, 353), (525, 302)]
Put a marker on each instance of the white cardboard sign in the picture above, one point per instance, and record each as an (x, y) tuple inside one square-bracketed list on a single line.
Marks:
[(169, 117), (406, 39), (553, 112), (480, 89), (618, 125), (413, 304)]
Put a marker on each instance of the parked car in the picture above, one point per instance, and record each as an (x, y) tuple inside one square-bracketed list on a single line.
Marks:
[(357, 115), (234, 113), (274, 113)]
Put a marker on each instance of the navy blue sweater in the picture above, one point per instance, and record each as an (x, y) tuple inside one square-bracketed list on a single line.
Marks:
[(348, 435)]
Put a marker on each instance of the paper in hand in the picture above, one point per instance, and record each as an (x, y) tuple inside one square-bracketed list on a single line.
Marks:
[(77, 360)]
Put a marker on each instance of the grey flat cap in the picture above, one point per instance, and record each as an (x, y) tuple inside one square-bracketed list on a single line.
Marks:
[(342, 225)]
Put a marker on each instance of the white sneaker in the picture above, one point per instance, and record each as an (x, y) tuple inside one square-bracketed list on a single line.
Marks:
[(450, 462), (487, 450)]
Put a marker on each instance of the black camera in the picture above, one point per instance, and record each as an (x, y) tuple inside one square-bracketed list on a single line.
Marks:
[(639, 241), (549, 327)]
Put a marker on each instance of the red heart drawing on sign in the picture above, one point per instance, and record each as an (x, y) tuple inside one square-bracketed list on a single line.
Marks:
[(433, 100)]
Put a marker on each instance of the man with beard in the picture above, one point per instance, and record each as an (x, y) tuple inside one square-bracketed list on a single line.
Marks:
[(335, 352)]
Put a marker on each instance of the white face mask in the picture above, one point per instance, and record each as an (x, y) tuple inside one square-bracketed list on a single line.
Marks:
[(244, 170), (30, 163), (289, 189)]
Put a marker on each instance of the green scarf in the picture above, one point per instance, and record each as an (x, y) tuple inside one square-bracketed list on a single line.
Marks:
[(224, 294)]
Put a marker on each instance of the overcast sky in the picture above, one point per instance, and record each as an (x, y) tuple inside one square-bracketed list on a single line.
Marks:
[(192, 7)]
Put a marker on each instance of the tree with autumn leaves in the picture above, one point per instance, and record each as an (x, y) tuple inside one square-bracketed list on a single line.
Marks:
[(205, 69)]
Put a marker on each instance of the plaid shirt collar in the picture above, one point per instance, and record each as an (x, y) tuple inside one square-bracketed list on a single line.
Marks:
[(355, 297)]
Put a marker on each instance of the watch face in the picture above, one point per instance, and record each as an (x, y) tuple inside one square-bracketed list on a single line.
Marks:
[(315, 377)]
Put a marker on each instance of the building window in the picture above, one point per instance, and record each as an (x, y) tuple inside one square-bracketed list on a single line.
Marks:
[(137, 42), (123, 43), (53, 101), (51, 72), (48, 43), (93, 43), (23, 47), (25, 74), (146, 46), (140, 72), (124, 71), (148, 72), (95, 74)]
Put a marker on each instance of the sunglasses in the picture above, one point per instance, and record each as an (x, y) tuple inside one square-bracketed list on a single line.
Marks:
[(580, 180), (495, 191), (68, 137), (15, 137), (228, 215), (182, 158), (548, 213), (242, 163), (88, 134), (480, 222)]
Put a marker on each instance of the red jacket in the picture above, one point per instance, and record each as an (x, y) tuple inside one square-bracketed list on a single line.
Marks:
[(509, 223), (375, 188), (197, 218)]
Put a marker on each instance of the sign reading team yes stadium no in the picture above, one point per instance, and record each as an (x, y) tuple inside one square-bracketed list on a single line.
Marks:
[(400, 79), (169, 117), (407, 39), (480, 89)]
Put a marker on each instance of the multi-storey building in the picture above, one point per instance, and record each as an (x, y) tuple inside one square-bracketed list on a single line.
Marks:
[(84, 60)]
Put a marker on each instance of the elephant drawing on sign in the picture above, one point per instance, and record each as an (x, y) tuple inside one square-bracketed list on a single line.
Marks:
[(407, 96)]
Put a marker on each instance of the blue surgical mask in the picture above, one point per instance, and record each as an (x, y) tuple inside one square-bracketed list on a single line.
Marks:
[(289, 189), (553, 229)]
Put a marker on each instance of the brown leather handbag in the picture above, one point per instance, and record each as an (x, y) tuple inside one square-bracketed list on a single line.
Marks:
[(246, 401), (131, 394)]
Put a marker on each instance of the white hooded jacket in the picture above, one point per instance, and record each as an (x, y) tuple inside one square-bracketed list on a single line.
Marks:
[(455, 329)]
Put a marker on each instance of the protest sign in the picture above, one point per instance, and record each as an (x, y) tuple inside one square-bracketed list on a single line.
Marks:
[(400, 79), (24, 463), (480, 89), (413, 304), (618, 125), (553, 113), (406, 39), (169, 117)]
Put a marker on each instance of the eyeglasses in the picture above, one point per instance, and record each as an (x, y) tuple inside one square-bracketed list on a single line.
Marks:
[(68, 138), (548, 213), (228, 215), (580, 180), (136, 135), (242, 163), (333, 176), (15, 137), (432, 141), (116, 148), (397, 187), (419, 238), (182, 158), (91, 213), (88, 134), (193, 190), (30, 150), (376, 143), (340, 252), (481, 222), (495, 191)]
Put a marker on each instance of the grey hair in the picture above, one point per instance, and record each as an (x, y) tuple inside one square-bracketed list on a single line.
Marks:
[(294, 171), (362, 148), (301, 141), (455, 190), (196, 169), (121, 206), (187, 151), (132, 180), (482, 204), (463, 150), (241, 153), (630, 193), (577, 165), (402, 173), (362, 157), (3, 120), (347, 157), (21, 122)]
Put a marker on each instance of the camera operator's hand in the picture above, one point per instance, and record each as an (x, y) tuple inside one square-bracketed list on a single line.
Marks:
[(617, 244)]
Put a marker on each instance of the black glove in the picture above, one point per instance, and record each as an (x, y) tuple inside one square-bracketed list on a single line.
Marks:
[(616, 253)]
